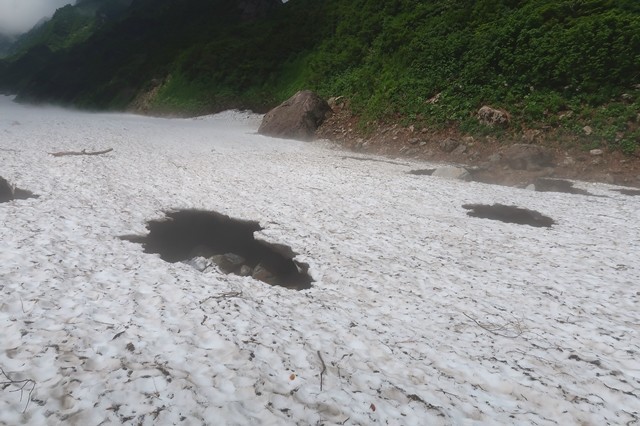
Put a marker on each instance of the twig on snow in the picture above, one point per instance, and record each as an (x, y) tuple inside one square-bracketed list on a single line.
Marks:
[(496, 329), (83, 152), (227, 295), (324, 368), (20, 387)]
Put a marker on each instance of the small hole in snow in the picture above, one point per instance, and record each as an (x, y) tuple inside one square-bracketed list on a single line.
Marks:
[(422, 172), (558, 185), (629, 192), (509, 214), (8, 192), (205, 239)]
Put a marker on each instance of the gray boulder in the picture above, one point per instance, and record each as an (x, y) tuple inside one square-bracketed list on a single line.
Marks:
[(228, 262), (452, 172), (296, 118)]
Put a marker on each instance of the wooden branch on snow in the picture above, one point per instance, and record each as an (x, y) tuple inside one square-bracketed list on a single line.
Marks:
[(324, 368), (83, 152)]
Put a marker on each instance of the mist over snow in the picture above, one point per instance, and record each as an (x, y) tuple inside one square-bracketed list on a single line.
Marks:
[(19, 16)]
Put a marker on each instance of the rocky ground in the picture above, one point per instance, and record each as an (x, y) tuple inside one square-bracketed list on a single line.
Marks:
[(487, 158)]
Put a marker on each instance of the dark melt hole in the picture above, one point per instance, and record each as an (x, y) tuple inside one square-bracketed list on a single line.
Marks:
[(558, 185), (422, 172), (8, 192), (630, 192), (509, 214), (204, 238)]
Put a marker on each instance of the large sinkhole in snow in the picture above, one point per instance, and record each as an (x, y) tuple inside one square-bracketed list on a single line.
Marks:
[(206, 239)]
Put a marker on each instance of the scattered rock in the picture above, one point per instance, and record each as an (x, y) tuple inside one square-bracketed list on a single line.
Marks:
[(494, 158), (451, 172), (448, 145), (587, 130), (261, 273), (199, 263), (527, 157), (296, 118), (596, 152), (493, 117), (245, 271), (531, 135), (228, 262), (461, 149)]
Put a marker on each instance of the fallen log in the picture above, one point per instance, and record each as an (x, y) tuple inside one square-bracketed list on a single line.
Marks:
[(83, 152)]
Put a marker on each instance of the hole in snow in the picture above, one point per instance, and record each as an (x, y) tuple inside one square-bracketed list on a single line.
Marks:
[(509, 214), (629, 192), (558, 185), (205, 240), (422, 172), (9, 192)]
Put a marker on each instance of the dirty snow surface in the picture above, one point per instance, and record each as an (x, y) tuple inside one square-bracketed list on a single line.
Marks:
[(418, 314)]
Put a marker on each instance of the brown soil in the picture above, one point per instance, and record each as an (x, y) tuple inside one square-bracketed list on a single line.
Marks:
[(394, 140)]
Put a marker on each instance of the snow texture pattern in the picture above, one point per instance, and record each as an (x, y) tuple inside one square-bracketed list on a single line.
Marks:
[(420, 314)]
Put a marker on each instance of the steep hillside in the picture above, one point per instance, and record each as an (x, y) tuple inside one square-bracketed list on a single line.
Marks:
[(559, 65)]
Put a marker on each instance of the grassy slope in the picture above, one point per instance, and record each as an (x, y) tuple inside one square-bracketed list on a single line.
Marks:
[(537, 59)]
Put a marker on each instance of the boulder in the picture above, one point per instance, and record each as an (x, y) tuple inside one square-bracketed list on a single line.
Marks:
[(228, 262), (522, 156), (493, 117), (452, 172), (449, 145), (261, 273), (296, 118)]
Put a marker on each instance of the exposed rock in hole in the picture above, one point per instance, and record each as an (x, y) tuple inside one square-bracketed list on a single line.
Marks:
[(9, 192), (558, 185), (203, 238), (422, 172), (509, 214), (630, 192)]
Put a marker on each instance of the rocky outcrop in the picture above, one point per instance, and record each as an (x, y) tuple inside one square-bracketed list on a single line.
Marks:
[(296, 118), (493, 117)]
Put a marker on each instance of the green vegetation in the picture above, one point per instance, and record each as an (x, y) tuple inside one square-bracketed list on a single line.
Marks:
[(559, 64)]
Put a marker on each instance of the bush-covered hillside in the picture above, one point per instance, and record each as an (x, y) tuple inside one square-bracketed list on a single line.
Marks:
[(561, 63)]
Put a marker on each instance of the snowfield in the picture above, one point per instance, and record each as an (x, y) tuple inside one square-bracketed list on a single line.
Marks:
[(419, 314)]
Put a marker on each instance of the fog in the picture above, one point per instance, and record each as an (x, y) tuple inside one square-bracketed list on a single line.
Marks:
[(19, 16)]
